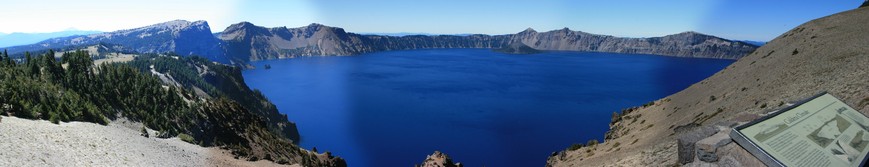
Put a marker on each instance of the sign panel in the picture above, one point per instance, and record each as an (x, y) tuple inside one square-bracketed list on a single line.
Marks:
[(820, 131)]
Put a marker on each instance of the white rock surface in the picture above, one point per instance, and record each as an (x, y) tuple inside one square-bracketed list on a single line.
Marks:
[(40, 143)]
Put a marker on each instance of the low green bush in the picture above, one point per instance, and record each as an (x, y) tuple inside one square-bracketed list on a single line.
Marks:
[(575, 146), (187, 138)]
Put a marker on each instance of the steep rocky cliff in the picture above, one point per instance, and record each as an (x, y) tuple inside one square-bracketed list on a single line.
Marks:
[(826, 54), (247, 41), (227, 81), (686, 44)]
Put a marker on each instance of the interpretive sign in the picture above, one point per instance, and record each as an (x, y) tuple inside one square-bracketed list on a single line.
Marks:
[(820, 131)]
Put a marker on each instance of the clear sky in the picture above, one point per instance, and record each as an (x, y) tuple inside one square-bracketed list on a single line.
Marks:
[(736, 19)]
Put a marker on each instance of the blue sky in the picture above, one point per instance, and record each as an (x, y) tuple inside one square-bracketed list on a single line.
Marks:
[(735, 19)]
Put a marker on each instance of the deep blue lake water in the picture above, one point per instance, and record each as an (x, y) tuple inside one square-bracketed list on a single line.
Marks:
[(480, 107)]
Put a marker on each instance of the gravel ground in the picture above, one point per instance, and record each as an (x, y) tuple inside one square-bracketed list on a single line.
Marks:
[(26, 142)]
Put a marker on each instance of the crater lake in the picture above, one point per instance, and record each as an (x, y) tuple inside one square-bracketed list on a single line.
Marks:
[(482, 108)]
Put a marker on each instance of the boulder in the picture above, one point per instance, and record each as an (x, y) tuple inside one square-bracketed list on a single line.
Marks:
[(686, 151), (144, 132), (686, 141), (163, 135), (706, 147), (734, 155)]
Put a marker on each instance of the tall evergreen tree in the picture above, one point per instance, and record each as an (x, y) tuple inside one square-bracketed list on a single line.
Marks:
[(8, 61), (27, 58), (5, 57), (32, 67), (52, 71)]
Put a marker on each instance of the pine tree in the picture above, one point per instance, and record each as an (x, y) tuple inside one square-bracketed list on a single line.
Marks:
[(53, 72), (8, 61), (33, 69), (27, 58), (5, 58)]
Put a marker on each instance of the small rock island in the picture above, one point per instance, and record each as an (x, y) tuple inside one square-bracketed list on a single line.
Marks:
[(517, 48)]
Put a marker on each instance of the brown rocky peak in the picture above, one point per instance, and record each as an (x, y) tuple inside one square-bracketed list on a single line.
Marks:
[(439, 159)]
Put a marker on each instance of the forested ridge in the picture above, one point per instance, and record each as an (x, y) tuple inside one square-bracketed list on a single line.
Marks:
[(230, 116), (217, 80)]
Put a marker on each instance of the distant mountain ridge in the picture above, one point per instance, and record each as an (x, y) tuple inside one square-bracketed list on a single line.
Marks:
[(245, 41), (401, 34), (178, 36), (14, 39)]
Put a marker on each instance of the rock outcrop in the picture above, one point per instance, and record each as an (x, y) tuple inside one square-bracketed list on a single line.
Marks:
[(438, 159), (827, 54)]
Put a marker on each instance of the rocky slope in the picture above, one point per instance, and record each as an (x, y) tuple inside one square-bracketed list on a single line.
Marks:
[(826, 54), (247, 41), (216, 80), (178, 36)]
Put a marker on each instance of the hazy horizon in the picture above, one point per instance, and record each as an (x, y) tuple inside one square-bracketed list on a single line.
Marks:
[(734, 19)]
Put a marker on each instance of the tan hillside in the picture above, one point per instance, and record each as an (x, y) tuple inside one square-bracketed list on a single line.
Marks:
[(827, 54)]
